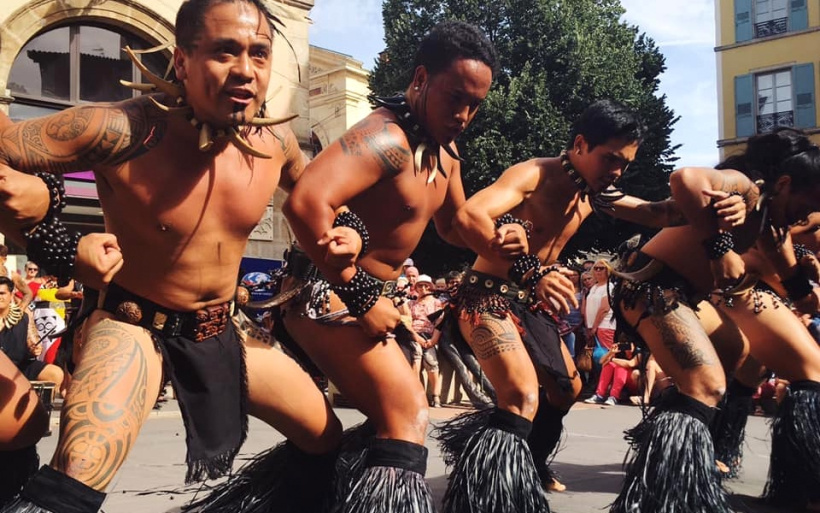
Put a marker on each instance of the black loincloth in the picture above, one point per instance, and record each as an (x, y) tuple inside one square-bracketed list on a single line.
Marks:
[(538, 329)]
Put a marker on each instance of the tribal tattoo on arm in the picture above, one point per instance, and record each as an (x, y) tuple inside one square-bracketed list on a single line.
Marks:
[(667, 210), (493, 337), (83, 137), (740, 184), (371, 138)]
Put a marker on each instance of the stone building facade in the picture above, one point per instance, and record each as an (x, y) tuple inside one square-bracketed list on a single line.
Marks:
[(59, 53)]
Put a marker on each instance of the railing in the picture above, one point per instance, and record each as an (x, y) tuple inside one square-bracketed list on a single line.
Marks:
[(767, 122), (771, 27)]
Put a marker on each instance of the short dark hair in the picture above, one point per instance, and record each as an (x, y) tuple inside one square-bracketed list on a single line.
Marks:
[(605, 120), (4, 250), (5, 280), (784, 151), (452, 40), (191, 14)]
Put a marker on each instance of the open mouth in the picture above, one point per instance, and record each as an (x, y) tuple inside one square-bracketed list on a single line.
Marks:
[(241, 96)]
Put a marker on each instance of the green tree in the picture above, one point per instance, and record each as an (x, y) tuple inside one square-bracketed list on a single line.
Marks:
[(556, 57)]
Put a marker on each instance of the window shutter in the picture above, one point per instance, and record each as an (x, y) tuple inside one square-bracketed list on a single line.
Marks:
[(744, 111), (798, 15), (743, 20), (805, 115)]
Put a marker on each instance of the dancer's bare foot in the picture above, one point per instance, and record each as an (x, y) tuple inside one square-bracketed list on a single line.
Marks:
[(554, 485)]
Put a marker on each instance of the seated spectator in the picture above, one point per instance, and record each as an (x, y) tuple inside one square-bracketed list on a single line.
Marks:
[(616, 367), (19, 340)]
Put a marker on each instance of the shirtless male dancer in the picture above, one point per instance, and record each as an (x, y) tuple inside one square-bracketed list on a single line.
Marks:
[(24, 200), (183, 177), (673, 467), (504, 308), (395, 170)]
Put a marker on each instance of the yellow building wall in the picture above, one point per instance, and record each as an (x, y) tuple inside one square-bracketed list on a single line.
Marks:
[(759, 56), (725, 20), (338, 93)]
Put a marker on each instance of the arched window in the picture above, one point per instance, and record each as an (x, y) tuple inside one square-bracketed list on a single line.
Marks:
[(72, 65)]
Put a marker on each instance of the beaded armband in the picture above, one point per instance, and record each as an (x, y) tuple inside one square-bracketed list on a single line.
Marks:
[(509, 219), (351, 220), (360, 293), (538, 274), (801, 251), (719, 245), (798, 286), (49, 243), (521, 266)]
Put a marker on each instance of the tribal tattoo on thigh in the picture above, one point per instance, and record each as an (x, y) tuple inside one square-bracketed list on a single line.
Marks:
[(493, 337), (677, 334), (107, 403)]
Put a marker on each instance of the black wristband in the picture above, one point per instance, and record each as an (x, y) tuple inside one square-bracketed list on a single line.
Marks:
[(538, 274), (509, 219), (801, 251), (360, 293), (351, 220), (719, 245), (521, 266), (798, 286), (49, 243), (56, 194)]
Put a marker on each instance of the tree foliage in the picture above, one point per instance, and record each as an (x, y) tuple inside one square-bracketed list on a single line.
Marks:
[(556, 57)]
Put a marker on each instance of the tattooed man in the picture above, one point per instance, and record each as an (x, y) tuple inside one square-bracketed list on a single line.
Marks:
[(183, 179), (395, 170), (504, 307), (24, 200), (674, 468)]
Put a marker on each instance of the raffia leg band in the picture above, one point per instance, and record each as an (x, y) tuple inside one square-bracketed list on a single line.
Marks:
[(794, 468), (671, 466), (391, 479), (495, 471)]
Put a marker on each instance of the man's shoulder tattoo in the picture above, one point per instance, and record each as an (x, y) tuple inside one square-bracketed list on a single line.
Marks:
[(371, 138), (731, 183)]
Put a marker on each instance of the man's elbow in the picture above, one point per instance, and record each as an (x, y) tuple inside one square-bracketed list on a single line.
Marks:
[(686, 178), (296, 206), (465, 218)]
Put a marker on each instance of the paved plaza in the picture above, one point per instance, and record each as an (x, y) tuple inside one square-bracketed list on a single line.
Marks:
[(152, 480)]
